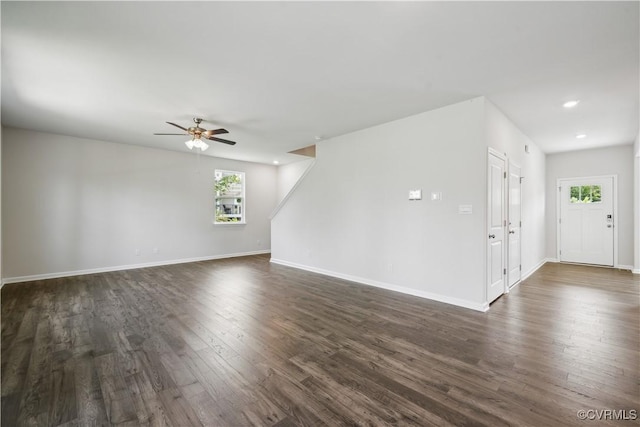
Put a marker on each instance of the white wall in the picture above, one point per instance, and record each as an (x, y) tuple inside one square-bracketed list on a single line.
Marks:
[(504, 136), (603, 161), (288, 176), (351, 217), (1, 271), (73, 204)]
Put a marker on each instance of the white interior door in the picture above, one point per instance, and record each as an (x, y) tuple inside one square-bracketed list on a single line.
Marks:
[(515, 223), (586, 221), (496, 270)]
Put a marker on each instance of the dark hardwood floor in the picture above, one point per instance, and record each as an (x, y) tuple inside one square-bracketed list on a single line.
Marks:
[(242, 342)]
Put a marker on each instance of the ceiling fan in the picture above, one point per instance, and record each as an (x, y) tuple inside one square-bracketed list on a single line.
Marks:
[(197, 134)]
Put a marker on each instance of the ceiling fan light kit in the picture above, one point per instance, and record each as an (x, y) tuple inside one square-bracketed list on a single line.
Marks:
[(196, 143), (197, 133)]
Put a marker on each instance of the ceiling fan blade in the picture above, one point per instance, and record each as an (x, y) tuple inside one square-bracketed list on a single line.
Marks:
[(208, 133), (169, 134), (224, 141), (178, 126)]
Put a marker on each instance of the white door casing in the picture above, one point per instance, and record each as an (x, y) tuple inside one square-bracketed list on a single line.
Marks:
[(514, 225), (586, 229), (496, 222)]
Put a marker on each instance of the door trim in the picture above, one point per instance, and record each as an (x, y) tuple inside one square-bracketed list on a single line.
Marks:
[(510, 164), (615, 213), (503, 157)]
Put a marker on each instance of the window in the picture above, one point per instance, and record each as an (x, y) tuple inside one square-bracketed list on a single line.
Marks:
[(586, 194), (229, 189)]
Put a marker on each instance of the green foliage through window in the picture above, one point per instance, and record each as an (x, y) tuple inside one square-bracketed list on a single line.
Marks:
[(586, 194), (229, 197), (222, 184)]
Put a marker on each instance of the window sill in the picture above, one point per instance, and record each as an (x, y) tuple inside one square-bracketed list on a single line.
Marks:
[(230, 223)]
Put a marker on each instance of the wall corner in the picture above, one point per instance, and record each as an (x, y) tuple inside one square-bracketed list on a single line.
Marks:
[(636, 205)]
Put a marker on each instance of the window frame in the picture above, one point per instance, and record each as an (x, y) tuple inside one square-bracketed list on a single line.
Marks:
[(217, 199), (592, 188)]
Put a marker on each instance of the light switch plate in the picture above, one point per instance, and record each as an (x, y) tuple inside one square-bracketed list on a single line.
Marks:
[(465, 209), (436, 195), (415, 194)]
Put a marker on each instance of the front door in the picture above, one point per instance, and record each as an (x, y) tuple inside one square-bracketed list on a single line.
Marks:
[(586, 220), (515, 224), (496, 222)]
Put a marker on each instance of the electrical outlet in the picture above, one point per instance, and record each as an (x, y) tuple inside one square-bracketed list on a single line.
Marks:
[(259, 242), (137, 252), (155, 250)]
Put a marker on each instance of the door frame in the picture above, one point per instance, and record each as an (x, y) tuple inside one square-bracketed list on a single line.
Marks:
[(511, 163), (503, 157), (615, 213)]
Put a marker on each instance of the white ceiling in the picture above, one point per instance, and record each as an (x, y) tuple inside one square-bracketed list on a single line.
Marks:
[(276, 74)]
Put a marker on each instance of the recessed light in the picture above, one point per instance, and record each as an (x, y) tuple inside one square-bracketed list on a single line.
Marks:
[(317, 138), (275, 162), (570, 104), (581, 135)]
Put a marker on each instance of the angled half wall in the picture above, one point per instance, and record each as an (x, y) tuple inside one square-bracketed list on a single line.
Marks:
[(356, 216)]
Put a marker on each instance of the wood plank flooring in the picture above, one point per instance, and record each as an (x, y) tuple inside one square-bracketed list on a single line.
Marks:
[(243, 342)]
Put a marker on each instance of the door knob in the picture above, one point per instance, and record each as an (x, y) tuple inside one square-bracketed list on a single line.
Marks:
[(492, 236)]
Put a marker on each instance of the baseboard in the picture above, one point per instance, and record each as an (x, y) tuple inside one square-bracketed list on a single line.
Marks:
[(636, 271), (534, 269), (126, 267), (409, 291), (515, 285), (619, 266)]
